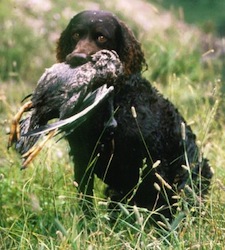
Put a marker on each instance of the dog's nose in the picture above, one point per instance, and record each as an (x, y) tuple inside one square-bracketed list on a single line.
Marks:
[(76, 59)]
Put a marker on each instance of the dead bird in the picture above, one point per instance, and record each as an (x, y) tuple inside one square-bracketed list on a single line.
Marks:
[(62, 92)]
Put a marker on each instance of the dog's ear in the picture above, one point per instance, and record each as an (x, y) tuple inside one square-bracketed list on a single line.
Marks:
[(130, 51), (64, 44)]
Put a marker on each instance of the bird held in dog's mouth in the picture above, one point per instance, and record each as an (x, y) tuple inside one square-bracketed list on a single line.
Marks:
[(70, 94)]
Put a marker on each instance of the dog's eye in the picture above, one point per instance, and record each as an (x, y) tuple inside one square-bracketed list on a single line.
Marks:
[(101, 39), (76, 36)]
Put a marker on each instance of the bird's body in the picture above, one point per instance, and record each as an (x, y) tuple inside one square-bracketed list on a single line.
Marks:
[(62, 89)]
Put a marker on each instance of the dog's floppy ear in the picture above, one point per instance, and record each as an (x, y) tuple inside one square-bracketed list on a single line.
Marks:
[(64, 44), (130, 51)]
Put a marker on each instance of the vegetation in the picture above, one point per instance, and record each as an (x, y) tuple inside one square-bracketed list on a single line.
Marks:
[(207, 14), (40, 207)]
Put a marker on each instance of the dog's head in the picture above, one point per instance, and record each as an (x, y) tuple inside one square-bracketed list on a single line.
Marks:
[(91, 31)]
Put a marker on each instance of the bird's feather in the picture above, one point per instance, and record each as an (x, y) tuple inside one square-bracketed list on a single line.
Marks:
[(89, 105)]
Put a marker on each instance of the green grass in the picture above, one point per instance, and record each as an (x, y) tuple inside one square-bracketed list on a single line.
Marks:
[(40, 207)]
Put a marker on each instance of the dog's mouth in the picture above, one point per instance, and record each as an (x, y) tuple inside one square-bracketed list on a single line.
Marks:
[(77, 59)]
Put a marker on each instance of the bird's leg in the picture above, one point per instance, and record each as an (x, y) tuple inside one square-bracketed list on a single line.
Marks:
[(14, 134), (33, 152), (111, 124)]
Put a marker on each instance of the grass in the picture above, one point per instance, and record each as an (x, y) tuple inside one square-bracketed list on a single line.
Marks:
[(40, 207)]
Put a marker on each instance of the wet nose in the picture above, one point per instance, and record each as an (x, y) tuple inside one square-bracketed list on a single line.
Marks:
[(82, 52), (76, 59)]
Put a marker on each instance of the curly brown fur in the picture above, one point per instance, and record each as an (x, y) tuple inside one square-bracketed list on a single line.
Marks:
[(131, 53)]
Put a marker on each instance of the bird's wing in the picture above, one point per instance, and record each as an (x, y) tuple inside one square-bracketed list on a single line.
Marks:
[(90, 103)]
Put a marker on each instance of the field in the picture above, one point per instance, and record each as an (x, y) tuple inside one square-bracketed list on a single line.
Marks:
[(40, 207)]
